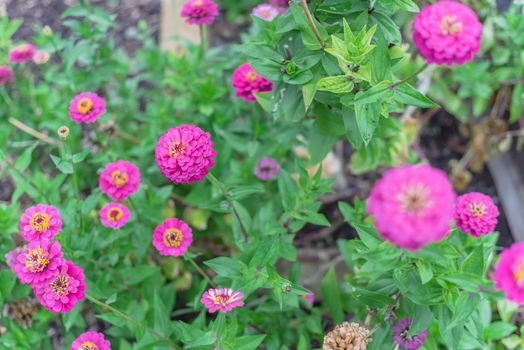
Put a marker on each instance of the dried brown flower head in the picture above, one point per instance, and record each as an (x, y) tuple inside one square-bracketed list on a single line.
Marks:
[(347, 336)]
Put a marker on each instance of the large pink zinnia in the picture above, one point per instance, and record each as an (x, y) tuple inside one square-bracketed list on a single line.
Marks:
[(40, 222), (173, 237), (509, 273), (114, 215), (6, 75), (412, 205), (246, 81), (185, 154), (119, 180), (265, 11), (38, 262), (223, 299), (199, 12), (62, 292), (476, 214), (86, 107), (22, 54), (447, 32), (91, 341)]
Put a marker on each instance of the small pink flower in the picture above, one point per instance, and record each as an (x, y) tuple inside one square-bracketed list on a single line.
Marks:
[(119, 180), (62, 292), (200, 12), (509, 273), (310, 298), (91, 341), (267, 169), (223, 299), (185, 154), (22, 54), (173, 237), (38, 262), (246, 81), (476, 214), (447, 32), (40, 222), (114, 215), (400, 335), (11, 256), (266, 11), (281, 5), (412, 206), (6, 75), (41, 57), (86, 107)]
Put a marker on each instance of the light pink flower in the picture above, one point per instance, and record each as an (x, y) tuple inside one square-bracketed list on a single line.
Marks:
[(114, 215), (40, 222), (173, 237), (281, 5), (476, 214), (91, 341), (86, 107), (400, 335), (246, 81), (41, 57), (11, 256), (185, 154), (62, 292), (267, 169), (119, 180), (412, 205), (6, 75), (38, 262), (222, 299), (447, 32), (509, 273), (199, 12), (265, 11), (22, 53)]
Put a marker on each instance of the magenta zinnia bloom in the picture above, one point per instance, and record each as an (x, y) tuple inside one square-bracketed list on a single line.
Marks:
[(6, 74), (447, 32), (476, 214), (91, 341), (119, 180), (22, 54), (86, 107), (185, 154), (400, 335), (173, 237), (38, 262), (509, 273), (223, 299), (246, 81), (267, 169), (40, 222), (412, 205), (199, 12), (62, 292), (114, 215), (11, 256), (265, 11)]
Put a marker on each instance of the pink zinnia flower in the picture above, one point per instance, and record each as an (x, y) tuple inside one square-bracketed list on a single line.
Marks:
[(476, 214), (22, 54), (509, 273), (267, 169), (11, 256), (199, 12), (64, 290), (185, 154), (412, 205), (6, 74), (447, 32), (119, 180), (265, 11), (41, 57), (173, 237), (91, 341), (86, 107), (246, 81), (400, 335), (40, 222), (223, 299), (38, 262), (114, 215)]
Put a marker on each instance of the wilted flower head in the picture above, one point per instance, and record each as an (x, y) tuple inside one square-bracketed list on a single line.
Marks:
[(22, 53), (40, 222), (347, 336), (200, 12), (412, 205), (38, 262), (86, 107), (11, 256), (91, 341), (6, 75), (63, 132), (41, 57), (404, 341), (173, 237), (267, 169), (119, 180), (265, 11), (476, 214), (114, 215), (222, 299), (509, 273), (447, 32), (247, 82), (185, 154)]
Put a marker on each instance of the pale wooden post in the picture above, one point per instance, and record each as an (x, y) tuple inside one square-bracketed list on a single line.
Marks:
[(174, 31)]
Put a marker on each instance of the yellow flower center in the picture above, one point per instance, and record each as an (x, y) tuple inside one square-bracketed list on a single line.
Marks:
[(60, 284), (251, 76), (115, 214), (450, 26), (414, 199), (518, 275), (119, 178), (36, 260), (173, 237), (197, 3), (39, 222), (176, 149), (85, 105), (87, 345), (477, 209)]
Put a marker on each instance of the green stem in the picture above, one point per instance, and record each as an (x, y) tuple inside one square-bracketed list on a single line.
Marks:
[(27, 179), (409, 77), (309, 17), (69, 154), (201, 272), (202, 40)]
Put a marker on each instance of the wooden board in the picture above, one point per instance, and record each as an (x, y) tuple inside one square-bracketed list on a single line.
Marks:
[(174, 31)]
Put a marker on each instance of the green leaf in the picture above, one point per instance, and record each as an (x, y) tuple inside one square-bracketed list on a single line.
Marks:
[(161, 317), (367, 117), (380, 61), (388, 27), (319, 144), (498, 330), (287, 189), (425, 271), (65, 166), (265, 100), (331, 296), (226, 267), (248, 342), (374, 94), (351, 128), (79, 157), (517, 103), (408, 5), (24, 160), (308, 37), (474, 262), (339, 84), (407, 94), (422, 318)]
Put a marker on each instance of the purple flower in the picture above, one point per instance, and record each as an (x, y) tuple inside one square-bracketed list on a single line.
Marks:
[(400, 335), (267, 169)]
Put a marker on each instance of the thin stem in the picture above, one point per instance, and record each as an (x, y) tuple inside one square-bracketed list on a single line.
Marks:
[(135, 322), (303, 3), (202, 40), (27, 179), (69, 154), (201, 272), (28, 130), (414, 74)]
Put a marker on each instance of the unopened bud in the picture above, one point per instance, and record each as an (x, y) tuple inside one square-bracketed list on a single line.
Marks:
[(47, 31), (63, 132)]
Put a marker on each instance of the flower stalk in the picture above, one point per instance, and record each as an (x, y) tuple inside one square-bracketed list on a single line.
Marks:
[(312, 24)]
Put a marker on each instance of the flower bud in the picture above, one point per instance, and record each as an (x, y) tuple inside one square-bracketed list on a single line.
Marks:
[(47, 31), (63, 132), (41, 57)]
